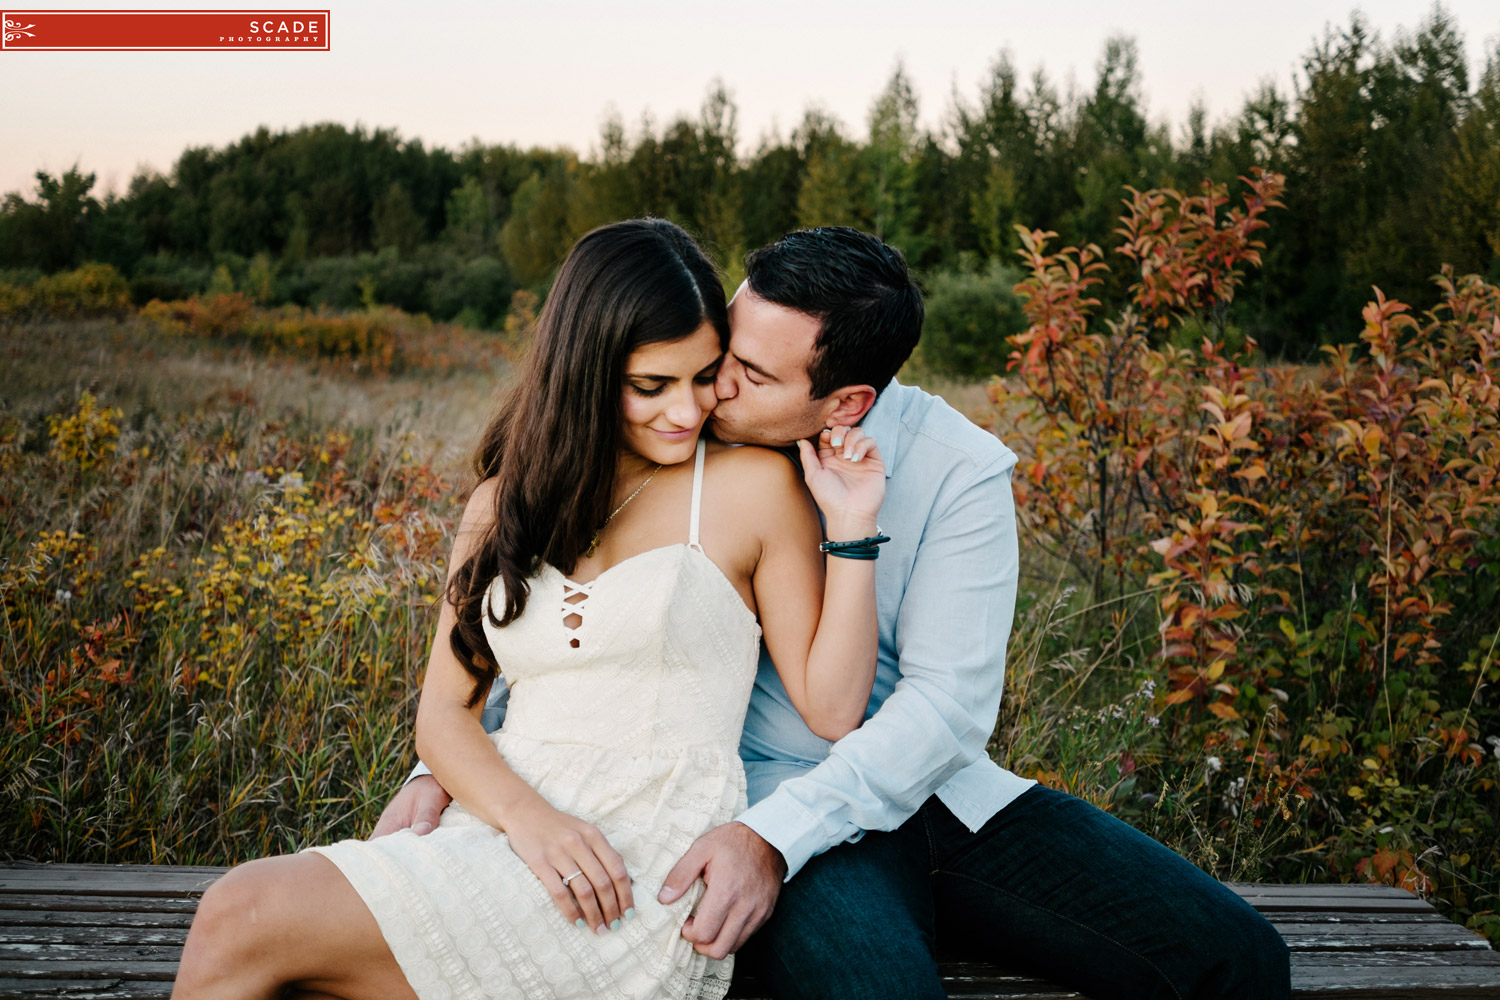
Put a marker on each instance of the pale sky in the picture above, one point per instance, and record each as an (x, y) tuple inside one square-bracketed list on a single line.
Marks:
[(546, 73)]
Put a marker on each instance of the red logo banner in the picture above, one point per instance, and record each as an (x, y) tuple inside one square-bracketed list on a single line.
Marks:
[(165, 30)]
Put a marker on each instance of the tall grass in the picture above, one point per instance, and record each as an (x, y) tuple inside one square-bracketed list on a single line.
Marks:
[(216, 602)]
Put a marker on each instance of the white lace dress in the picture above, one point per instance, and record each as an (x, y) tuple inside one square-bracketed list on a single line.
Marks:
[(635, 729)]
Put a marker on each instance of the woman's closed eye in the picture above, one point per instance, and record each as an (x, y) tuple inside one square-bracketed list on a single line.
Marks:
[(647, 391)]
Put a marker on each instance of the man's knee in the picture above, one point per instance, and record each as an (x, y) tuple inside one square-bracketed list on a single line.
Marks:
[(855, 922), (1253, 961)]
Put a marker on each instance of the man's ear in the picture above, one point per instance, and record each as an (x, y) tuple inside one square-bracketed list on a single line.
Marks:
[(848, 405)]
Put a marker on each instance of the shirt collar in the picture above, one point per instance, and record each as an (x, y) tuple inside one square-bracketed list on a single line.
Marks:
[(883, 423)]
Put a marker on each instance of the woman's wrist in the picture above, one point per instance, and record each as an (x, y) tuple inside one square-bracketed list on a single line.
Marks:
[(519, 806), (847, 527)]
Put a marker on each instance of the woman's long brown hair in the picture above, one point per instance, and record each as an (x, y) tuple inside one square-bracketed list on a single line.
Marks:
[(554, 444)]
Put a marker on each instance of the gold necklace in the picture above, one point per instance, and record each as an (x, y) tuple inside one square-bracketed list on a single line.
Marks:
[(594, 542)]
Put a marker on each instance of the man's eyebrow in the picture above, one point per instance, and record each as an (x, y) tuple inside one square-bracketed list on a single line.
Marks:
[(757, 369)]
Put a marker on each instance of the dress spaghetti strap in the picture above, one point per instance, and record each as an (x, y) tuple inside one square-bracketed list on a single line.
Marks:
[(697, 496)]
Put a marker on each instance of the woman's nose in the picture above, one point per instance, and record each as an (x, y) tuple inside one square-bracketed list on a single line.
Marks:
[(684, 410)]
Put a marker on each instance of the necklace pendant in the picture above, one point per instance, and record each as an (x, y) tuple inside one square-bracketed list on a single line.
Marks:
[(593, 546)]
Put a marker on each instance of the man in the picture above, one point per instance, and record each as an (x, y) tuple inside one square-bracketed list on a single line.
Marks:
[(904, 832)]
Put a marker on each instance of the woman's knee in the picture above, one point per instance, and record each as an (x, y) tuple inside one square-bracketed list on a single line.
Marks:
[(245, 893), (238, 921)]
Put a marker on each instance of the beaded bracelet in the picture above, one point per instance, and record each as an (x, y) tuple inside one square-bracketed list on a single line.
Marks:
[(859, 548)]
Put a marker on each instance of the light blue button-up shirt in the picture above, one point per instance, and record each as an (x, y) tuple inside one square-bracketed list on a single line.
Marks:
[(945, 594)]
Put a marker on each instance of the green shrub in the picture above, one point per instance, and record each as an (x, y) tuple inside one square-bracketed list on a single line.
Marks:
[(91, 290), (969, 316)]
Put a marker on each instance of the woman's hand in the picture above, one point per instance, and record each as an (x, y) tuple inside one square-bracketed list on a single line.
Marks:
[(554, 846), (845, 475)]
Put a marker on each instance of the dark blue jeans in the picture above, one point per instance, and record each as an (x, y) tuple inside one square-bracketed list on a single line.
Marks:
[(1050, 885)]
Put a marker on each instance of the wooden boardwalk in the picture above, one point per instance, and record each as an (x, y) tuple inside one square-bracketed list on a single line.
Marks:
[(104, 931)]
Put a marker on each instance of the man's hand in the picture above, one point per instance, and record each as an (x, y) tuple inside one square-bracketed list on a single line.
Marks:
[(743, 874), (418, 806)]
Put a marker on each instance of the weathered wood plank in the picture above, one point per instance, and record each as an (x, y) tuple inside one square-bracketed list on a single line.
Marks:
[(1397, 982), (84, 989), (85, 918), (10, 968), (1357, 917), (105, 904), (1383, 959), (1295, 889), (111, 880), (1323, 901), (101, 869), (1380, 937), (49, 953), (87, 934), (1452, 991)]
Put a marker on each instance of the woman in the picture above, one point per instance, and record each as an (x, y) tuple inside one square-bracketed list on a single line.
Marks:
[(619, 569)]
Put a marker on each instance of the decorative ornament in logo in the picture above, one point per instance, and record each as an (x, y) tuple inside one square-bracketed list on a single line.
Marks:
[(163, 31)]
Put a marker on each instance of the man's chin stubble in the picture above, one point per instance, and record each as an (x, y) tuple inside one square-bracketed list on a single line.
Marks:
[(730, 434)]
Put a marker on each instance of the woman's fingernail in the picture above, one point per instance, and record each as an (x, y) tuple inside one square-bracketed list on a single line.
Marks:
[(600, 929), (858, 457), (614, 924), (837, 441), (630, 913), (581, 924)]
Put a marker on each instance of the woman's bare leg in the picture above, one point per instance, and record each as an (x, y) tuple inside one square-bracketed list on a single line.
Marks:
[(289, 922)]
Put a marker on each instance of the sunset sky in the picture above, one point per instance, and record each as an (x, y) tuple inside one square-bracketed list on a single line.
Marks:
[(546, 73)]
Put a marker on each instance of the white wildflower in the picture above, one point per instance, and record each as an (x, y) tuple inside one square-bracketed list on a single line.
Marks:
[(1214, 765), (1153, 721), (1232, 795), (63, 596)]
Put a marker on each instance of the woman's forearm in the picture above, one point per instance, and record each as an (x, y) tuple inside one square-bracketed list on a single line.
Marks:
[(841, 662), (453, 744)]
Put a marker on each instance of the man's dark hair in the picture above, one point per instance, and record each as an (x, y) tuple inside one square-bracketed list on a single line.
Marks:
[(860, 292)]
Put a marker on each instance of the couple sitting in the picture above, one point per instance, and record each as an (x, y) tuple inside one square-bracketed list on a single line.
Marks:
[(618, 565)]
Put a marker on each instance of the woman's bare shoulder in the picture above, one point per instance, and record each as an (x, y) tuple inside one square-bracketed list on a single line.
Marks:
[(479, 509), (765, 485), (752, 466)]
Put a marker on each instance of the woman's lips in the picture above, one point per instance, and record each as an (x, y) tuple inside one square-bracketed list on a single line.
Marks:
[(681, 435)]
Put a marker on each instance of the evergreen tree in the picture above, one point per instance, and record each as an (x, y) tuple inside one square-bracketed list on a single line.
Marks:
[(395, 222), (1466, 217), (52, 232), (826, 197), (889, 165)]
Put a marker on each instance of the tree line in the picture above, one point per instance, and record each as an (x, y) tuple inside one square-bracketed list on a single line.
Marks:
[(1391, 153)]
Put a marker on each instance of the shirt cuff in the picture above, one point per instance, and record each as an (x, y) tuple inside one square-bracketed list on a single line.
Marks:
[(786, 825), (416, 772)]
